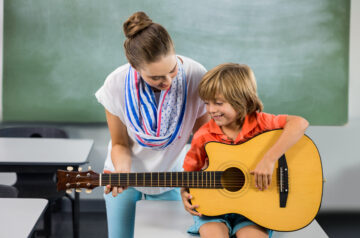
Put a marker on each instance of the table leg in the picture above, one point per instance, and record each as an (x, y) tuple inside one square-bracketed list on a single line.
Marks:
[(76, 215)]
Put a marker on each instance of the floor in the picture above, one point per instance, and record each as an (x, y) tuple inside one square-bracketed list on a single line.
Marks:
[(93, 224), (343, 225)]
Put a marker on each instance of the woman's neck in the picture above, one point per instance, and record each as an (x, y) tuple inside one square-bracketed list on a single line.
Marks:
[(155, 90)]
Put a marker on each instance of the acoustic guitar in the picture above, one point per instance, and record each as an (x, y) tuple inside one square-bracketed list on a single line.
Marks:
[(290, 203)]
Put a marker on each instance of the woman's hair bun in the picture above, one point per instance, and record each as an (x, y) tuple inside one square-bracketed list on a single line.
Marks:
[(136, 23)]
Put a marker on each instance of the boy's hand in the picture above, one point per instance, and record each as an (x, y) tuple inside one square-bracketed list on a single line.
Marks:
[(186, 196), (263, 173)]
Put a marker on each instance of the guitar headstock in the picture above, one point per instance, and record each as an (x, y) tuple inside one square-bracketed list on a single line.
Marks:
[(67, 180)]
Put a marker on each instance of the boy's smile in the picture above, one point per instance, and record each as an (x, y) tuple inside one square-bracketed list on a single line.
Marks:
[(222, 112)]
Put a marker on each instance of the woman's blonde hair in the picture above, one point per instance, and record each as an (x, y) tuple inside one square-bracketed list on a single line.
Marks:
[(146, 41), (236, 83)]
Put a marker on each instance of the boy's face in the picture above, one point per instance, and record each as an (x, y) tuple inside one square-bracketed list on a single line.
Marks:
[(222, 112)]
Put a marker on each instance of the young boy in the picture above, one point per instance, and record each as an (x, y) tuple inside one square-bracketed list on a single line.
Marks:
[(229, 92)]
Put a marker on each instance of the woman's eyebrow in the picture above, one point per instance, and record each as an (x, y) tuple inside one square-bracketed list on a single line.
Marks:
[(163, 75)]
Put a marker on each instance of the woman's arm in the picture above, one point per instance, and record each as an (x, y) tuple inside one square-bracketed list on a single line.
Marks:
[(120, 152), (201, 121), (294, 129)]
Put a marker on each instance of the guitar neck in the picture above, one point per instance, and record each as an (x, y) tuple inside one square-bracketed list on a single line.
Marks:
[(198, 179)]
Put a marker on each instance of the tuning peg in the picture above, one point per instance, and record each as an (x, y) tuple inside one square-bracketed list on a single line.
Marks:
[(78, 190), (88, 190), (70, 168), (69, 191), (79, 169), (89, 167)]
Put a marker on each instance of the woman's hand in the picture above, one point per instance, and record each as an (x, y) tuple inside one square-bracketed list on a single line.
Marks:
[(120, 151), (186, 196), (263, 173), (124, 167)]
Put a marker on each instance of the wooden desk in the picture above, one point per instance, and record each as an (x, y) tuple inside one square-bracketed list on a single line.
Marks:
[(36, 160), (169, 219), (18, 216)]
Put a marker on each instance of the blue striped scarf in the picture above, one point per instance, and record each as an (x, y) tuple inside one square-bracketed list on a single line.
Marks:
[(155, 126)]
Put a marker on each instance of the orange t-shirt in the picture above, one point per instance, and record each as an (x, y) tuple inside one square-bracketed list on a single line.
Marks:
[(261, 122)]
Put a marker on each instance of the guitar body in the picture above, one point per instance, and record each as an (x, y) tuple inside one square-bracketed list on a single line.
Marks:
[(305, 184)]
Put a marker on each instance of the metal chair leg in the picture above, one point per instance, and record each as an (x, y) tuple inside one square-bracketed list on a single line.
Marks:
[(72, 212)]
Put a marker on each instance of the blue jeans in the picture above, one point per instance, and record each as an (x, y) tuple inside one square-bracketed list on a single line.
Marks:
[(120, 210), (233, 221)]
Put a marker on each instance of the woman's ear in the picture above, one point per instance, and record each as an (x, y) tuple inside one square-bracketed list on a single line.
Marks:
[(133, 67)]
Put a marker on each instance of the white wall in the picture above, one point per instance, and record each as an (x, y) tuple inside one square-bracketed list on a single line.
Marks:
[(338, 145)]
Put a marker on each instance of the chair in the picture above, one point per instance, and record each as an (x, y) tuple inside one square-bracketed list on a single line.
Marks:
[(25, 132), (53, 197), (7, 191)]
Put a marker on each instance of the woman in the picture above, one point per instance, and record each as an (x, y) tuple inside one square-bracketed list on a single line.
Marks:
[(151, 107)]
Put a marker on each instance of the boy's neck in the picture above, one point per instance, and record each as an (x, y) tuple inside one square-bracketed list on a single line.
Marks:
[(231, 131)]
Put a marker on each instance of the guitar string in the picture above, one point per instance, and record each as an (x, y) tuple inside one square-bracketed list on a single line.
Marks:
[(156, 180), (228, 183), (156, 184)]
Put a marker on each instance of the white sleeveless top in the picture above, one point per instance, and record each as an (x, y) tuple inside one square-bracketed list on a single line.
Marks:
[(111, 96)]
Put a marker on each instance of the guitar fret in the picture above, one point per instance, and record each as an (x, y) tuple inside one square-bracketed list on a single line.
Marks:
[(197, 179), (206, 179), (214, 180), (188, 179), (171, 179), (136, 179), (192, 175), (144, 179), (182, 179), (177, 179), (202, 179)]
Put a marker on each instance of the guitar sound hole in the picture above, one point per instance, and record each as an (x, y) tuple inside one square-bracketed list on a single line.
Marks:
[(233, 179)]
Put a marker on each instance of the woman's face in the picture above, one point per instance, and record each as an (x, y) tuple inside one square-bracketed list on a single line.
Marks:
[(160, 74)]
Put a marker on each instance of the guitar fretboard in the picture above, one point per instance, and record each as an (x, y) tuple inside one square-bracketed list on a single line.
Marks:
[(198, 179)]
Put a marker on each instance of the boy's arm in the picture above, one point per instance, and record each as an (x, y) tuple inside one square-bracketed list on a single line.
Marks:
[(294, 129), (194, 161)]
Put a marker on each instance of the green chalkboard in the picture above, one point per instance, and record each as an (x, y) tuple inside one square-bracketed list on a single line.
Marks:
[(58, 53)]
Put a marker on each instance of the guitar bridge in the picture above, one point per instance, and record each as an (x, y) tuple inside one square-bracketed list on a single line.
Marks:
[(283, 180)]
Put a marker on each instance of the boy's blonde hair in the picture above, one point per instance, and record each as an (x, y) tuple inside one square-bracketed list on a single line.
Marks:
[(236, 83)]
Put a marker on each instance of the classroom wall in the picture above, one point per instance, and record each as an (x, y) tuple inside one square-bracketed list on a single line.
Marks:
[(338, 145)]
